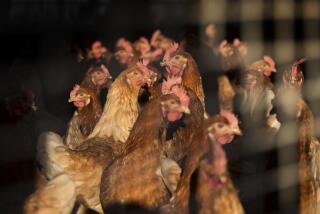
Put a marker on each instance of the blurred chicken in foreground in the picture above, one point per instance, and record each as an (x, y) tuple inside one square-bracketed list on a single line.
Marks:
[(292, 104), (215, 190), (222, 129)]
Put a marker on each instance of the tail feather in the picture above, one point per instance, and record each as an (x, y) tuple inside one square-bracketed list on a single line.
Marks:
[(57, 196), (49, 144)]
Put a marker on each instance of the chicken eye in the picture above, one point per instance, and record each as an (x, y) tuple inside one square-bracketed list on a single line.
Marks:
[(177, 57), (172, 102), (220, 125)]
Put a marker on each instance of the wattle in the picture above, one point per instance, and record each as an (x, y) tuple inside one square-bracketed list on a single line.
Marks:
[(79, 104), (174, 69), (225, 139), (173, 116)]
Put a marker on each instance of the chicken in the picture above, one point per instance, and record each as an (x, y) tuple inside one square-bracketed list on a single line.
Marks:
[(215, 190), (122, 108), (179, 138), (308, 145), (256, 94), (144, 151), (178, 144), (232, 56), (84, 119), (222, 128), (182, 64), (86, 99), (210, 32)]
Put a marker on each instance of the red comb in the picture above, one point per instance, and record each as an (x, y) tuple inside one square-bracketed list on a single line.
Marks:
[(171, 49), (269, 60), (142, 65), (236, 42), (74, 91), (294, 67), (223, 43), (182, 94), (105, 70), (231, 118), (154, 37), (169, 83)]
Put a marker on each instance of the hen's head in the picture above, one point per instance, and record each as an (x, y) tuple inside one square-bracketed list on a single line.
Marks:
[(176, 109), (265, 66), (142, 45), (99, 75), (124, 51), (223, 127), (97, 50), (158, 40), (172, 108), (80, 97), (211, 31), (141, 75), (226, 49), (293, 77), (240, 47), (175, 62)]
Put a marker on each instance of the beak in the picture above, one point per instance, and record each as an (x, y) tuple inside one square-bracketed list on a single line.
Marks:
[(237, 131), (148, 81), (164, 63), (185, 110), (273, 70), (72, 99)]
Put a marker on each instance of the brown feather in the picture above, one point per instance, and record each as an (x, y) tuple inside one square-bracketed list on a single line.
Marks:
[(309, 159)]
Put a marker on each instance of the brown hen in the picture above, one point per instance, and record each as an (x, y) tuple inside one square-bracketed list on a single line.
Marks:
[(144, 151), (215, 190), (308, 145), (86, 98), (195, 153)]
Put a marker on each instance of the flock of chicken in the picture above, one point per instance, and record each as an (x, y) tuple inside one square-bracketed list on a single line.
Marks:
[(135, 154)]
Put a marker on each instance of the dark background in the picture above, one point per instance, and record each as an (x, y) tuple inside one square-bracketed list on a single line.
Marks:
[(38, 40)]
